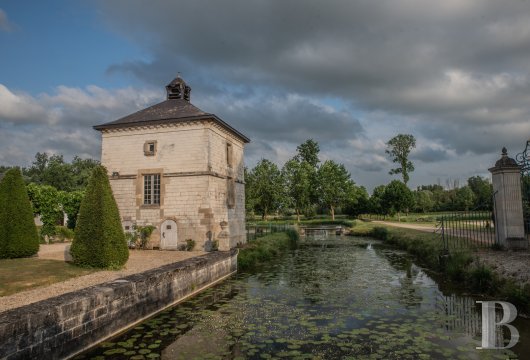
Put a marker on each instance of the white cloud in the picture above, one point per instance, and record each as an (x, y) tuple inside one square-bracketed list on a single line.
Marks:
[(61, 122)]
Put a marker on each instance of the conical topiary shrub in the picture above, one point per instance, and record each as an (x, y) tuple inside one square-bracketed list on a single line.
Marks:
[(18, 233), (99, 240)]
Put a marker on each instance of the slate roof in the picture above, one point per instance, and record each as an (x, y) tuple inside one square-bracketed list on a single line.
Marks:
[(169, 111)]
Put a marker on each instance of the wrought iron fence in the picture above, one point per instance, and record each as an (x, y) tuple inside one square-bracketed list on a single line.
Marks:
[(467, 229), (255, 231)]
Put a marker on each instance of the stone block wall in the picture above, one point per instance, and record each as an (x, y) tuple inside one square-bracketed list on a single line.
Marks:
[(196, 179), (63, 326)]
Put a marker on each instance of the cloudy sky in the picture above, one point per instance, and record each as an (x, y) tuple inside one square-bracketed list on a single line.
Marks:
[(348, 73)]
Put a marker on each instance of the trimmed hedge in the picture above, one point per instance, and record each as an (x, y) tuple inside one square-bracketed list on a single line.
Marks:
[(99, 240), (18, 233)]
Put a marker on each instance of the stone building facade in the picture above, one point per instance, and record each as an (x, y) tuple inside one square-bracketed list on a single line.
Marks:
[(179, 169)]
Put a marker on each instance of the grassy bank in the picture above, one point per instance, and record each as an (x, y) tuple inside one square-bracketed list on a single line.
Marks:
[(462, 267), (266, 248), (27, 273)]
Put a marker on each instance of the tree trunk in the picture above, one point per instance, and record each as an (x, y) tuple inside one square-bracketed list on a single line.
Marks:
[(298, 216), (332, 213), (399, 216)]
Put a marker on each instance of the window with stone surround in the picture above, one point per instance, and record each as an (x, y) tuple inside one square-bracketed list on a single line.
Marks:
[(152, 189), (150, 148)]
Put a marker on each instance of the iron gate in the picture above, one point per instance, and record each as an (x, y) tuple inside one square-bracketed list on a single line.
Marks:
[(523, 159)]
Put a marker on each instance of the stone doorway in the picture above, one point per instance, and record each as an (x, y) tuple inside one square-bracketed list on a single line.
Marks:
[(168, 232)]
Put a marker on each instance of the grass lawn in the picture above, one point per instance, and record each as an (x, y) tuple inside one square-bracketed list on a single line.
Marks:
[(22, 274)]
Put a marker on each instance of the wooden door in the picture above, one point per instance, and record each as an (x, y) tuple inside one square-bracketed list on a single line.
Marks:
[(168, 230)]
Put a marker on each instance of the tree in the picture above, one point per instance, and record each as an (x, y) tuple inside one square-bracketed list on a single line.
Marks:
[(483, 191), (46, 203), (424, 200), (464, 198), (264, 188), (297, 180), (54, 171), (99, 240), (335, 185), (397, 198), (308, 152), (70, 203), (18, 233), (358, 203), (82, 170), (399, 148), (376, 200)]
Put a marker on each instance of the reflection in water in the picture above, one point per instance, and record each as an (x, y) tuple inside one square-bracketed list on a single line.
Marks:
[(330, 299)]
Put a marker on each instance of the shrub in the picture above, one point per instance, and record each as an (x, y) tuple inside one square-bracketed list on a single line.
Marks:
[(190, 244), (18, 233), (266, 248), (99, 240), (63, 233), (144, 234), (481, 277), (380, 233)]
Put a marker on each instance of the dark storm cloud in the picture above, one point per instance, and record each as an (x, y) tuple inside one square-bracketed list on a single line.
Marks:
[(463, 63)]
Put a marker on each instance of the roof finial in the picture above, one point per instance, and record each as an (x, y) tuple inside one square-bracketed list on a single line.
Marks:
[(504, 151)]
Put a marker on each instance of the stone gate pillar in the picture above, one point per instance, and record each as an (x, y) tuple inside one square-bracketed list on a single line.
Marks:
[(508, 203)]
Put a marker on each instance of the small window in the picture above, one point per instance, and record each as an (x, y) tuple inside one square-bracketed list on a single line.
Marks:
[(127, 228), (168, 227), (150, 148), (229, 154), (152, 189)]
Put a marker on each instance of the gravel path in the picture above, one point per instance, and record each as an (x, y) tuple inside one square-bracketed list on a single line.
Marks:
[(139, 261)]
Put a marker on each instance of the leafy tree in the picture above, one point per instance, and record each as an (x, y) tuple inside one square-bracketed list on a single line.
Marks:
[(464, 198), (18, 233), (424, 200), (264, 188), (297, 179), (99, 240), (397, 197), (308, 152), (54, 171), (70, 203), (359, 203), (376, 200), (399, 148), (335, 185), (4, 169), (46, 203), (483, 191), (82, 170)]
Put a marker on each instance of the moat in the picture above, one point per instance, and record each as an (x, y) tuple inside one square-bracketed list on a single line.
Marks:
[(332, 298)]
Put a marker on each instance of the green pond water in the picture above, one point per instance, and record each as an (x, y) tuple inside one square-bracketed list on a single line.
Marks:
[(332, 298)]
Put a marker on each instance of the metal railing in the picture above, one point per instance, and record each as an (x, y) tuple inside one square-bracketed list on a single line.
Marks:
[(255, 231), (467, 229)]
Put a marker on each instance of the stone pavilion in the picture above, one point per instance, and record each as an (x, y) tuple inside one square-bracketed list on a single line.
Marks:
[(179, 169)]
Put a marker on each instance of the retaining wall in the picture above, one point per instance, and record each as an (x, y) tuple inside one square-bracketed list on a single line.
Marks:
[(65, 325)]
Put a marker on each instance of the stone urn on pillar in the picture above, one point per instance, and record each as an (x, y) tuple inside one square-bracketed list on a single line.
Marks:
[(508, 203)]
